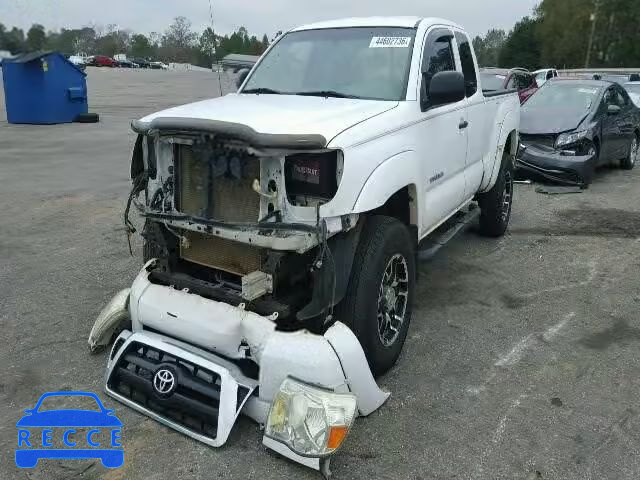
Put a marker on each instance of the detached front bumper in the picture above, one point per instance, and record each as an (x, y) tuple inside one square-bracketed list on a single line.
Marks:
[(204, 390), (556, 165)]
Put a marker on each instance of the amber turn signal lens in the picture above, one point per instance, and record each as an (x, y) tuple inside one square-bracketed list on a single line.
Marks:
[(336, 435)]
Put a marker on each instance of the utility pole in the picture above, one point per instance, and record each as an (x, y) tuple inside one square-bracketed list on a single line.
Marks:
[(213, 39), (594, 19)]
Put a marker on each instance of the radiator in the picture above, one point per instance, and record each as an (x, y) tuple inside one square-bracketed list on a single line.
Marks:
[(227, 255), (212, 189)]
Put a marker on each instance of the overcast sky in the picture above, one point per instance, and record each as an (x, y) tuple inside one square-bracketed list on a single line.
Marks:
[(259, 16)]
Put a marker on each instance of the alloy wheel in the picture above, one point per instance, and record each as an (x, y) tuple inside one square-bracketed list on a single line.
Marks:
[(392, 299), (507, 195), (634, 154)]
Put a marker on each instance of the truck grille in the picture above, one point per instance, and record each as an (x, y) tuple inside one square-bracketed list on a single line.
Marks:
[(215, 252), (217, 184), (194, 404)]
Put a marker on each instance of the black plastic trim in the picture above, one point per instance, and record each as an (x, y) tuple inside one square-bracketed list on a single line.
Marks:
[(231, 130), (498, 93)]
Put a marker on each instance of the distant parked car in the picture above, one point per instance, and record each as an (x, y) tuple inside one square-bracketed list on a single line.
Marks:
[(142, 63), (159, 65), (545, 74), (126, 64), (619, 79), (497, 79), (4, 54), (102, 61), (633, 89), (569, 127), (78, 61)]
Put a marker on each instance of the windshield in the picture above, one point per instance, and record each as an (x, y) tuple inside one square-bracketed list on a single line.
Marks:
[(634, 92), (570, 97), (492, 81), (370, 63)]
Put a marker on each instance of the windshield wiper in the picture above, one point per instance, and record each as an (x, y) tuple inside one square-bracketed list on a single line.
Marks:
[(265, 90), (326, 94)]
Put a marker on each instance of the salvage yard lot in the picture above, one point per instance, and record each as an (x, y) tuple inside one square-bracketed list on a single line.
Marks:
[(521, 361)]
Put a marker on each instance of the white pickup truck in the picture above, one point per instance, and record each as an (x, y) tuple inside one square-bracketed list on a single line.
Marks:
[(282, 225)]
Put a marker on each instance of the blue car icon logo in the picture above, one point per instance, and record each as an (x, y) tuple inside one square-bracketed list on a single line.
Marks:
[(69, 433)]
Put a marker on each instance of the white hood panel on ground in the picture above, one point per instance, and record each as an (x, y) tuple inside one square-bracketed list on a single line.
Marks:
[(282, 114)]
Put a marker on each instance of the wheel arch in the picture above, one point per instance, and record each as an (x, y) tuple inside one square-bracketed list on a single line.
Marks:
[(391, 190), (508, 139)]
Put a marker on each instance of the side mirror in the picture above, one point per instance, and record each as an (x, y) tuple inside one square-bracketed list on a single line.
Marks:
[(242, 75), (613, 109), (445, 87)]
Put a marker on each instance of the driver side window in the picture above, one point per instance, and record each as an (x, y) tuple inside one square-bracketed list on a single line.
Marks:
[(612, 97), (438, 56), (609, 98), (622, 99)]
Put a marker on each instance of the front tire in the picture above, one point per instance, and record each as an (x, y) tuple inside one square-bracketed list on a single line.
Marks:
[(379, 298), (495, 205), (634, 153)]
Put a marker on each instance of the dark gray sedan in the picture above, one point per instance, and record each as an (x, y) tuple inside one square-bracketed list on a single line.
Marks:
[(569, 127)]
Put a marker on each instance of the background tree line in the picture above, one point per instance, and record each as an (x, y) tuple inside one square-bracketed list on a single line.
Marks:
[(179, 43), (557, 35)]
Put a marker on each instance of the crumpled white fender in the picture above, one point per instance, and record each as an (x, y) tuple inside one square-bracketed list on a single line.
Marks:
[(111, 316)]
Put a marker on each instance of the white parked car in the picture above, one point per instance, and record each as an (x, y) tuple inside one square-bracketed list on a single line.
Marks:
[(544, 75), (78, 60), (282, 223), (633, 89), (159, 65)]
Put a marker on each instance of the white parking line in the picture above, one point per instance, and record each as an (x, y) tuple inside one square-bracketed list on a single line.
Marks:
[(502, 425), (551, 333), (517, 352), (520, 349)]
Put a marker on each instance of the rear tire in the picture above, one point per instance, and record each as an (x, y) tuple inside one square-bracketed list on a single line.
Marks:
[(495, 205), (379, 298), (634, 153)]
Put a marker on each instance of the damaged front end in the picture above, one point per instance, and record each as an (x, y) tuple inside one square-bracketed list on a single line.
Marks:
[(235, 215), (233, 311), (540, 157)]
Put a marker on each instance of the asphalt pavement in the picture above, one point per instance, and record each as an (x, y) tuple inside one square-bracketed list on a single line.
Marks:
[(521, 361)]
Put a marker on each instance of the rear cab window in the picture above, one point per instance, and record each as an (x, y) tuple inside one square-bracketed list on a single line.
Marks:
[(468, 65), (491, 82)]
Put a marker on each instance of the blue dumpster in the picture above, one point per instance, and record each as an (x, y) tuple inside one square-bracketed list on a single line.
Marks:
[(43, 88)]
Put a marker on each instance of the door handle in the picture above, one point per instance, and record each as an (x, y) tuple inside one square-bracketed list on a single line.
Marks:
[(463, 124)]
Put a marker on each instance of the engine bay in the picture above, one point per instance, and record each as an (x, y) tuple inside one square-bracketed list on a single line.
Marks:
[(240, 224)]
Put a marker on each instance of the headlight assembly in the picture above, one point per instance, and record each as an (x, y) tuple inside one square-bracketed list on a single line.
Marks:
[(311, 421), (570, 138)]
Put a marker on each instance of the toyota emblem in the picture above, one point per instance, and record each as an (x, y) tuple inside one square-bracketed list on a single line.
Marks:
[(164, 381)]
